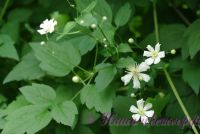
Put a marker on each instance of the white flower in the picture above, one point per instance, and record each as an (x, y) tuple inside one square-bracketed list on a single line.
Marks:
[(154, 54), (142, 111), (47, 26), (136, 74)]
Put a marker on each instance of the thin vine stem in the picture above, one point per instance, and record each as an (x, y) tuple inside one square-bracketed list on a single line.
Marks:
[(155, 18), (4, 9), (96, 55), (180, 101), (181, 15), (168, 76)]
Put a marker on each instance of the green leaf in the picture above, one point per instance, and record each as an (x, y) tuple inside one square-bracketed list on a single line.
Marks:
[(191, 75), (57, 59), (159, 102), (65, 113), (123, 15), (83, 43), (68, 27), (79, 130), (11, 28), (14, 14), (192, 34), (109, 32), (125, 62), (89, 116), (101, 101), (14, 105), (124, 48), (103, 9), (39, 94), (122, 105), (61, 18), (22, 70), (90, 7), (7, 48), (105, 77), (171, 37), (194, 44), (87, 18), (28, 119)]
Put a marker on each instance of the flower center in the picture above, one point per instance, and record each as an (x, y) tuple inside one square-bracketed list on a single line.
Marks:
[(154, 54), (134, 70), (141, 111)]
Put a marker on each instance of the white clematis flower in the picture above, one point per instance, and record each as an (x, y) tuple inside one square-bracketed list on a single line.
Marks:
[(142, 111), (154, 55), (47, 26), (136, 74)]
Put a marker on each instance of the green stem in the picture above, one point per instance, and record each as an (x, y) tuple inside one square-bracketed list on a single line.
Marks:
[(83, 69), (96, 54), (77, 94), (155, 18), (108, 40), (179, 100), (47, 37), (82, 81), (168, 76), (181, 15), (4, 9)]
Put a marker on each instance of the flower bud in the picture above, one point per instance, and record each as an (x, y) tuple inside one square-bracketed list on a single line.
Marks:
[(104, 18), (93, 26), (173, 51), (75, 79), (131, 40), (133, 95), (82, 21), (161, 94), (105, 45), (42, 43)]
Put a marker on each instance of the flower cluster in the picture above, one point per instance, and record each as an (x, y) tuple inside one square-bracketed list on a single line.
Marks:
[(136, 74)]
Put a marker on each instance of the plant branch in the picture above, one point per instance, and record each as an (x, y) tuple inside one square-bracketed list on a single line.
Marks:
[(180, 14), (179, 100), (155, 18), (4, 9)]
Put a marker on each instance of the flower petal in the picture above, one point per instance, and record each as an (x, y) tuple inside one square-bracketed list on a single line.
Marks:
[(144, 119), (147, 54), (136, 82), (149, 113), (140, 104), (126, 79), (145, 77), (161, 54), (41, 31), (143, 67), (157, 60), (150, 48), (133, 109), (136, 117), (149, 61), (157, 47), (147, 106)]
